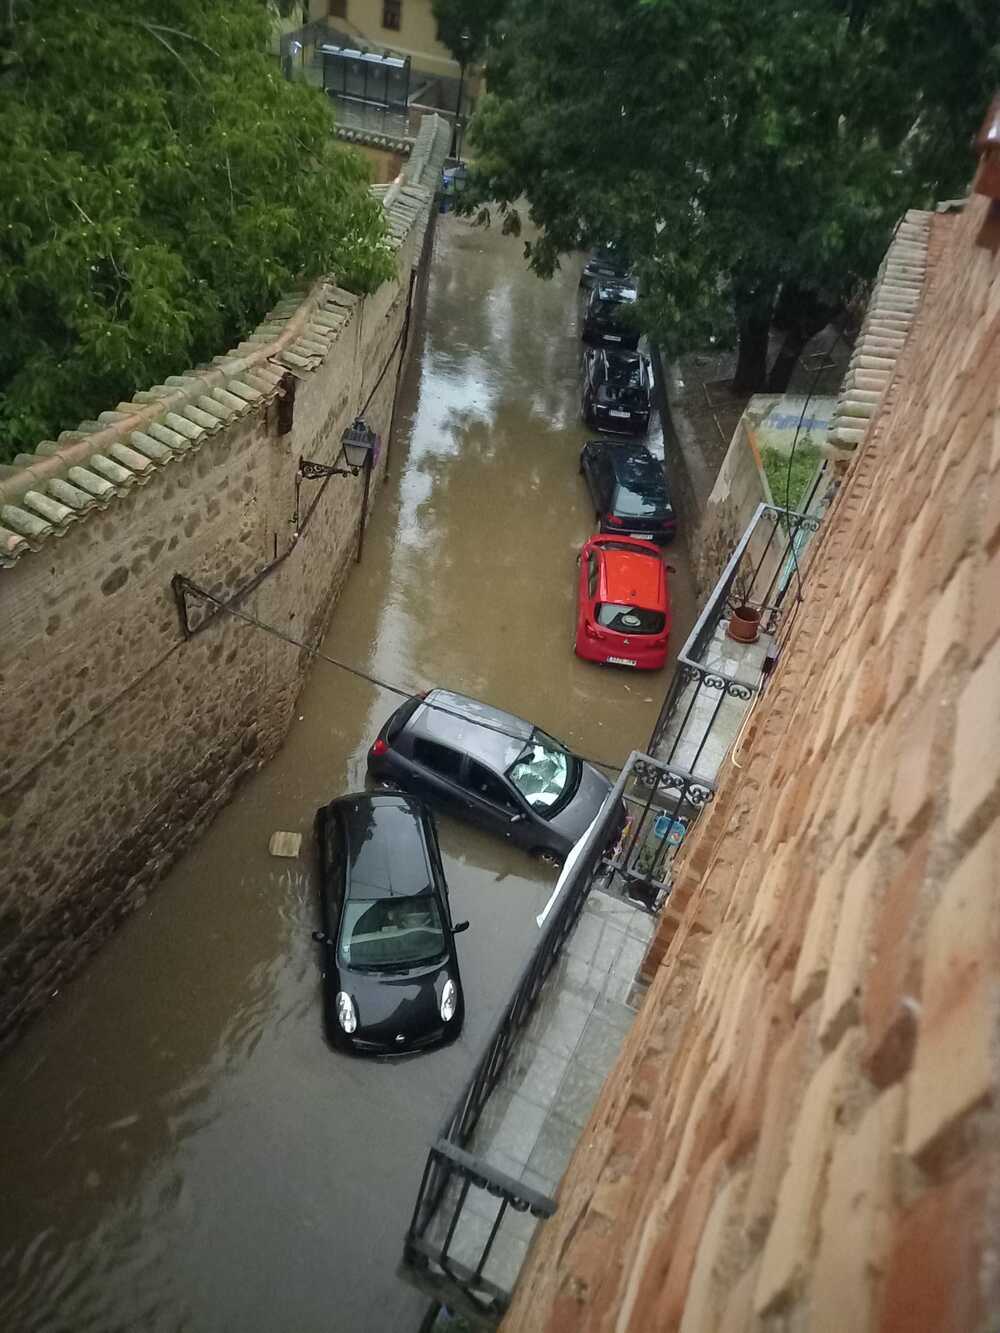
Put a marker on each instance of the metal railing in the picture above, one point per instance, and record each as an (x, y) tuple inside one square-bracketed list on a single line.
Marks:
[(628, 850), (717, 676)]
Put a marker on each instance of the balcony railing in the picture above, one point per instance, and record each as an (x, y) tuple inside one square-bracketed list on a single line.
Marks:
[(717, 677), (455, 1247)]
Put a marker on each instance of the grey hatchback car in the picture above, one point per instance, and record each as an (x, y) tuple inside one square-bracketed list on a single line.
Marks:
[(491, 768)]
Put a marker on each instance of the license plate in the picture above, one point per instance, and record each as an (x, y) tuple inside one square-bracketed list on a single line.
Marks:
[(612, 337), (622, 661), (642, 536), (613, 412)]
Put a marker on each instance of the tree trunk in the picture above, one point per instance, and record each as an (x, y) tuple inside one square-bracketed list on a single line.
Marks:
[(792, 347), (800, 314), (751, 359)]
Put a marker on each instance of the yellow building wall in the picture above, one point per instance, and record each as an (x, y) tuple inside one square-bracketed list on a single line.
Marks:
[(416, 36)]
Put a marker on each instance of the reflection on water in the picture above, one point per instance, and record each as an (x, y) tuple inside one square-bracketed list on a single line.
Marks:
[(182, 1150)]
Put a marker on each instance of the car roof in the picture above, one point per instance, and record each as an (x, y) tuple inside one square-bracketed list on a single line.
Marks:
[(633, 577), (486, 733), (633, 463), (386, 846)]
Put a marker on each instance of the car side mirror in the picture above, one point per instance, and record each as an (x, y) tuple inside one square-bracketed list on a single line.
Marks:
[(457, 929), (321, 937)]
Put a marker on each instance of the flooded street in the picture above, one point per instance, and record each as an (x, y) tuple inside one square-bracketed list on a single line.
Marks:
[(182, 1151)]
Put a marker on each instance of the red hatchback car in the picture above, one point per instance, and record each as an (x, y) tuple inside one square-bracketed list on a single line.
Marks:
[(623, 611)]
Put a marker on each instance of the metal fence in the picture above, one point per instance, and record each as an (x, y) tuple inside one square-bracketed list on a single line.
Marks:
[(717, 676), (628, 851)]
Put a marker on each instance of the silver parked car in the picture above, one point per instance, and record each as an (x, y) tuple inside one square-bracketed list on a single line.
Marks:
[(491, 768)]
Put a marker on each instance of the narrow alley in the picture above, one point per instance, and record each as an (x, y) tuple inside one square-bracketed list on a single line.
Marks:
[(182, 1148)]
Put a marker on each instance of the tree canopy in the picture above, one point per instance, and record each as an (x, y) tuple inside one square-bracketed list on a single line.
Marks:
[(465, 25), (751, 160), (162, 185)]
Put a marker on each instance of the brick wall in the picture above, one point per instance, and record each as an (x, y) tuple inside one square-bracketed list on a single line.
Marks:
[(802, 1131), (119, 739)]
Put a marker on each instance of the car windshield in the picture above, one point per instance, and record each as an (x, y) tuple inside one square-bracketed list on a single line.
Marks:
[(542, 772), (629, 619), (380, 933)]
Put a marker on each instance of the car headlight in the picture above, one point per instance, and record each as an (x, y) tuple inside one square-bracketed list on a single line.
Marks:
[(449, 1000), (347, 1015)]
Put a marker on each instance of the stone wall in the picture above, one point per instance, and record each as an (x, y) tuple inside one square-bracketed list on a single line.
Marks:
[(119, 738), (803, 1129)]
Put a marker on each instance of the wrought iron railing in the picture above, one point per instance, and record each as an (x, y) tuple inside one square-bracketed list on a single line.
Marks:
[(718, 676), (628, 850)]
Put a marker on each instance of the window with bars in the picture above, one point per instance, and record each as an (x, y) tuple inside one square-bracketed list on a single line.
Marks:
[(392, 14)]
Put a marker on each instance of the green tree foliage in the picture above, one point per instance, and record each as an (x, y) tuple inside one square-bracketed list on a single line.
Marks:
[(752, 159), (162, 184), (465, 25)]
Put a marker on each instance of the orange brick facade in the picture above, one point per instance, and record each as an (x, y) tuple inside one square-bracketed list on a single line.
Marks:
[(803, 1131)]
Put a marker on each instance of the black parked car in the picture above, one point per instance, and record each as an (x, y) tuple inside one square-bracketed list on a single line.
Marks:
[(628, 489), (616, 390), (491, 768), (605, 265), (602, 316), (391, 971)]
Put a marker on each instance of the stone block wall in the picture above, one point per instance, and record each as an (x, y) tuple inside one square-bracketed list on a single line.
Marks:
[(119, 738), (803, 1129)]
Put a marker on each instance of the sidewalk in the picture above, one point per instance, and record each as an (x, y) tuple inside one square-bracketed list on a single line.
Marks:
[(550, 1085)]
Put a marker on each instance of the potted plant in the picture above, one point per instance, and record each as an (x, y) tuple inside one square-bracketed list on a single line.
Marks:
[(744, 619)]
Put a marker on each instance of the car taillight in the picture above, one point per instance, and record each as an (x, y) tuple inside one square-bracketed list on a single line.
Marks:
[(615, 520), (591, 631), (380, 747)]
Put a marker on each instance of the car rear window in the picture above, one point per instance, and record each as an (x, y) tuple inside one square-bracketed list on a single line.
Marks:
[(401, 716), (629, 619), (609, 310), (633, 504)]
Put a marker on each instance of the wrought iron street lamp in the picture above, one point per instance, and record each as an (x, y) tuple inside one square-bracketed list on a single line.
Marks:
[(465, 42), (358, 450)]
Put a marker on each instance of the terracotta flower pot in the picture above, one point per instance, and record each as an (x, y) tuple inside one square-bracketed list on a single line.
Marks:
[(744, 624)]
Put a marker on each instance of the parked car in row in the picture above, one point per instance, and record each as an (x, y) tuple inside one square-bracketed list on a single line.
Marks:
[(616, 390), (491, 768), (605, 265), (603, 316), (628, 490), (391, 977), (623, 604)]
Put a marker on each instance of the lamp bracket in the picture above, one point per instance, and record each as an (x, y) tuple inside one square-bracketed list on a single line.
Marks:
[(311, 471)]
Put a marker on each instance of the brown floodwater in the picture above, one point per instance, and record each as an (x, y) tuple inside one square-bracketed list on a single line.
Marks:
[(181, 1150)]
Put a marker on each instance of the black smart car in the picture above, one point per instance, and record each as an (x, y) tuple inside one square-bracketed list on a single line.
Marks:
[(628, 489), (390, 968), (616, 390), (602, 316), (489, 767)]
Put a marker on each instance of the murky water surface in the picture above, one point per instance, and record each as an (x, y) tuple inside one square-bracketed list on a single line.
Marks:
[(180, 1149)]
